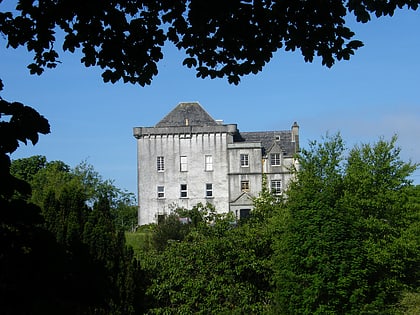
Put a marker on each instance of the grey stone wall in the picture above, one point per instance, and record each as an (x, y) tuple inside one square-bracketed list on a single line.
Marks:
[(194, 147), (193, 143)]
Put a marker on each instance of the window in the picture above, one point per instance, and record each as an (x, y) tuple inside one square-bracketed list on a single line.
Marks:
[(184, 191), (244, 185), (208, 163), (160, 164), (244, 213), (161, 218), (276, 187), (244, 160), (160, 191), (209, 190), (183, 164), (275, 159)]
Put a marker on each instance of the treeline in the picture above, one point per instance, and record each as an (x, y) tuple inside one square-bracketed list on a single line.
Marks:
[(65, 251), (58, 178), (345, 239)]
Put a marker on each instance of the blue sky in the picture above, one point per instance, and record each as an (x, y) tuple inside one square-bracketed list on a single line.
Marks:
[(376, 93)]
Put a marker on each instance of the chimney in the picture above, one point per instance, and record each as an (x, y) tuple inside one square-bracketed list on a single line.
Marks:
[(295, 135)]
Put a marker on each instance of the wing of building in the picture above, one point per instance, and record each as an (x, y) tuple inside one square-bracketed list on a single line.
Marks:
[(189, 157)]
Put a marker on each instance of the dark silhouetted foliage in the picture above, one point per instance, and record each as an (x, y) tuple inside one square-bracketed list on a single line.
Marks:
[(220, 38)]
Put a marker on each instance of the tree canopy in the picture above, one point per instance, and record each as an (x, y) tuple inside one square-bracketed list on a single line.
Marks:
[(344, 240), (348, 240), (57, 177), (220, 38), (71, 238)]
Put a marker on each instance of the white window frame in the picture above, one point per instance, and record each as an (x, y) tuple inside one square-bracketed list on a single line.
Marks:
[(161, 192), (183, 163), (244, 159), (160, 164), (208, 163), (275, 159), (244, 185), (209, 190), (276, 186), (183, 191)]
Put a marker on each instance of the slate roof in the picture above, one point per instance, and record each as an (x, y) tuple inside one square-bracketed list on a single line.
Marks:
[(192, 114), (268, 138), (187, 114)]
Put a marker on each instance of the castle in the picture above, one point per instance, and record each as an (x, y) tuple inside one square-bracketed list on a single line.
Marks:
[(188, 157)]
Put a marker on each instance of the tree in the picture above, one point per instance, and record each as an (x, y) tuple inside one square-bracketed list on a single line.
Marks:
[(221, 39), (410, 304), (377, 192), (46, 177), (312, 238), (120, 269), (266, 203), (125, 213), (94, 269), (19, 123), (21, 257), (347, 239), (26, 169), (123, 203), (55, 176), (177, 225), (34, 267), (214, 269)]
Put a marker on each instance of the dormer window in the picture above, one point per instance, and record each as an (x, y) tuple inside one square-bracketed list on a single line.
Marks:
[(275, 159)]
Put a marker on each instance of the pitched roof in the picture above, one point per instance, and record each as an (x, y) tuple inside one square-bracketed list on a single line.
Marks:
[(267, 138), (187, 114)]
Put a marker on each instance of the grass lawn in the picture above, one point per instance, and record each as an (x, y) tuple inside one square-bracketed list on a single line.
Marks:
[(139, 240)]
